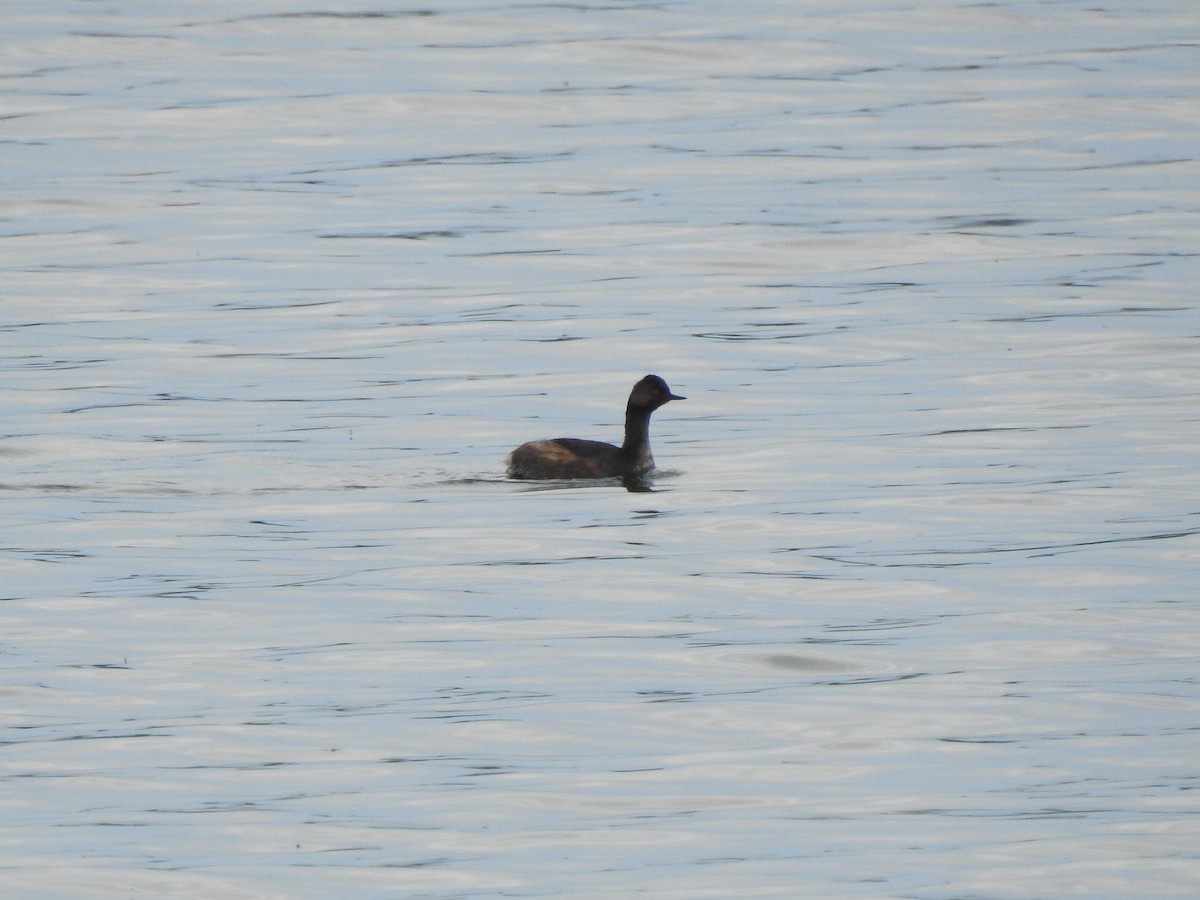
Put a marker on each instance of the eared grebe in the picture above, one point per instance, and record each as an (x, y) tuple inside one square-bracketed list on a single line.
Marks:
[(576, 458)]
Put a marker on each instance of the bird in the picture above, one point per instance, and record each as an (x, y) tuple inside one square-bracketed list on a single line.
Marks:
[(579, 458)]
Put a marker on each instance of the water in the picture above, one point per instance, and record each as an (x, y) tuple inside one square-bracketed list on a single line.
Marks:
[(911, 610)]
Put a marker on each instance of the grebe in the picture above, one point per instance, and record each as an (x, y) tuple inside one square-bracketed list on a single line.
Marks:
[(577, 458)]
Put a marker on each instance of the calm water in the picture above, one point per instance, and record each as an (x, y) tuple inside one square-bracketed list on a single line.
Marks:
[(912, 610)]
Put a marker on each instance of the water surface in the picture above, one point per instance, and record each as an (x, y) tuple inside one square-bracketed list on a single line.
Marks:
[(911, 609)]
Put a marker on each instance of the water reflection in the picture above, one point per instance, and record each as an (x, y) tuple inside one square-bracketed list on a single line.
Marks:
[(633, 484), (638, 484)]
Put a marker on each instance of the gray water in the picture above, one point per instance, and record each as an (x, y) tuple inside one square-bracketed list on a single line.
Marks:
[(911, 610)]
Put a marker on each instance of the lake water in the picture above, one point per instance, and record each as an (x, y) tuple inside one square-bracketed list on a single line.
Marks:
[(912, 609)]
